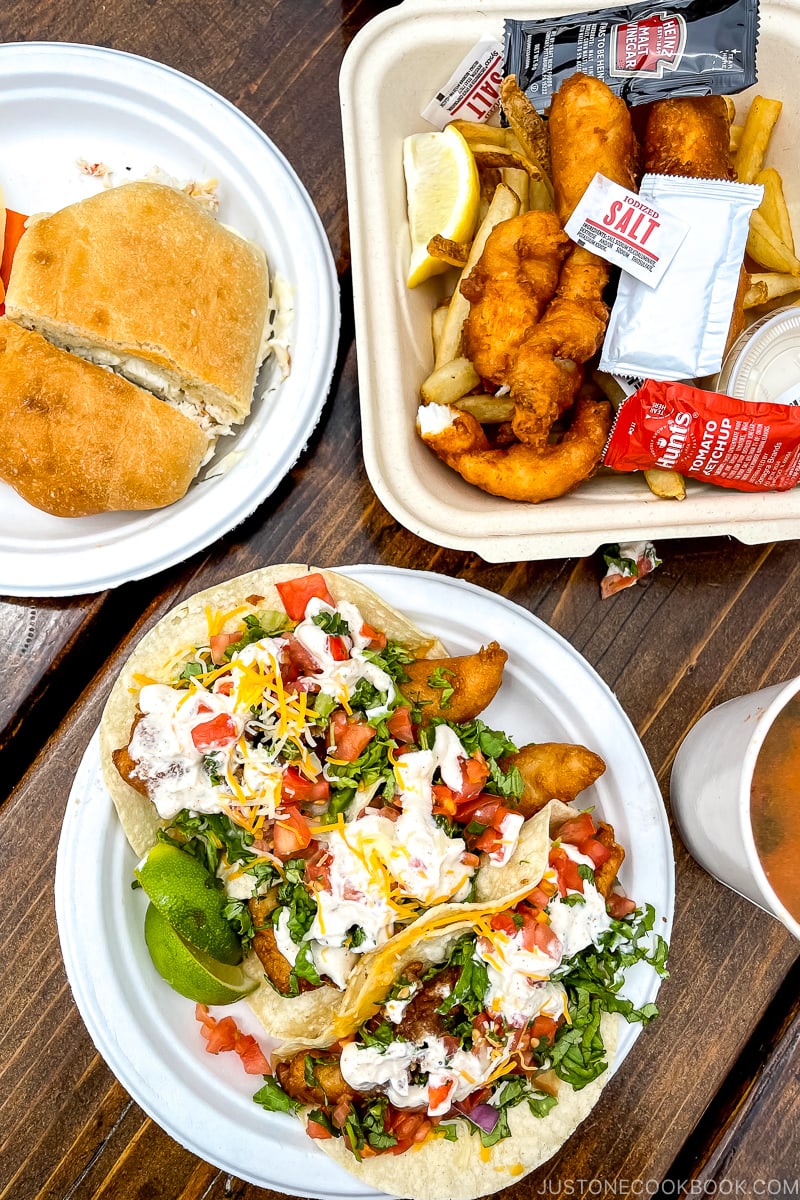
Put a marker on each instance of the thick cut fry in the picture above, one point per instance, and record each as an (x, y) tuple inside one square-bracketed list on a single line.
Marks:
[(455, 253), (758, 128), (668, 485), (769, 286), (489, 410), (773, 207), (767, 249), (520, 183), (438, 318), (505, 204), (449, 382)]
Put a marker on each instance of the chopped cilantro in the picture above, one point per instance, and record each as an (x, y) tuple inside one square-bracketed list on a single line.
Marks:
[(333, 623), (273, 1098), (438, 679)]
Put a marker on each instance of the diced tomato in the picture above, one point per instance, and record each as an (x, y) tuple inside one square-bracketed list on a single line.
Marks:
[(319, 870), (544, 1027), (253, 1059), (577, 829), (297, 789), (619, 906), (489, 841), (377, 639), (567, 871), (470, 860), (296, 593), (407, 1127), (399, 725), (438, 1093), (337, 648), (216, 734), (297, 660), (222, 1036), (444, 802), (219, 643), (349, 738), (504, 922), (540, 897), (474, 773), (224, 686), (596, 851), (545, 940), (482, 808), (530, 926), (290, 832), (315, 1130)]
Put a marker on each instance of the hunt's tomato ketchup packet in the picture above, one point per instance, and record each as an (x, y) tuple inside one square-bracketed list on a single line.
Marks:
[(752, 447), (643, 51)]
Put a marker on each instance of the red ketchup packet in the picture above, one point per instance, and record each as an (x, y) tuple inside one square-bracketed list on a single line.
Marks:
[(642, 51), (739, 444)]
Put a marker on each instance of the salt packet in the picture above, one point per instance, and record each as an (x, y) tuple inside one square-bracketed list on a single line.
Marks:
[(740, 444), (472, 93), (678, 330)]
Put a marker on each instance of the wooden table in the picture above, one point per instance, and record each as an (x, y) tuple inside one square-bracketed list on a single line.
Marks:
[(708, 1099)]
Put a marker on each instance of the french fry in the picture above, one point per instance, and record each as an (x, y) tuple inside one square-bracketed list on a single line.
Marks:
[(527, 124), (449, 382), (489, 410), (476, 131), (438, 318), (731, 107), (504, 205), (667, 485), (489, 155), (758, 128), (763, 288), (454, 253), (768, 250), (519, 182), (773, 207)]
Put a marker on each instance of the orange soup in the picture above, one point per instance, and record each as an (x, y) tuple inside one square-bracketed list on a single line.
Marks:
[(775, 806)]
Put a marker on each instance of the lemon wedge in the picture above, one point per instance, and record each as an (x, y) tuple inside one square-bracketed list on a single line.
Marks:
[(443, 194)]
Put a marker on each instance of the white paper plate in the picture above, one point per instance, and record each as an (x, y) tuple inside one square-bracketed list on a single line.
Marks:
[(147, 1033), (391, 71), (59, 103)]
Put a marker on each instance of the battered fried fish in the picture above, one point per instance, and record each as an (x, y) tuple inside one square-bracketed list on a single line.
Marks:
[(508, 289), (590, 130), (689, 136), (553, 771), (462, 687)]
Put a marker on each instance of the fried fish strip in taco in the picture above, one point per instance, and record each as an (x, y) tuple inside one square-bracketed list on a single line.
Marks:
[(489, 1040)]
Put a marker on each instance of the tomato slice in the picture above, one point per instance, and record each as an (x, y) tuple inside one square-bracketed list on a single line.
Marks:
[(290, 832), (296, 593), (218, 733), (399, 725), (577, 829), (297, 789)]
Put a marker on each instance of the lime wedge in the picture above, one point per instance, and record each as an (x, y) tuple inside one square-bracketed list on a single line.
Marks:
[(190, 971), (189, 897)]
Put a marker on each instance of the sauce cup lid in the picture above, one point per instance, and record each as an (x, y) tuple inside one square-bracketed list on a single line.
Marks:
[(763, 365)]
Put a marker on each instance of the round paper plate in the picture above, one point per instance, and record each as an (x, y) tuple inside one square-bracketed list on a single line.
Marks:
[(148, 1034), (62, 103)]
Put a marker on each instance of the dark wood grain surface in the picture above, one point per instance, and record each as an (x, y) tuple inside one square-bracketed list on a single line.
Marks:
[(709, 1095)]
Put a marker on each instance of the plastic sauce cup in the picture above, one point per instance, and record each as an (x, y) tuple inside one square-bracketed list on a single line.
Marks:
[(763, 364), (710, 792)]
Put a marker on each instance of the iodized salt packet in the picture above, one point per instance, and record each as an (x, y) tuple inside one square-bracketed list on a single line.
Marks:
[(679, 329), (740, 444)]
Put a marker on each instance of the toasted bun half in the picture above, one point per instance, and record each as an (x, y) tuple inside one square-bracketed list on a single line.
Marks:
[(80, 440), (141, 278)]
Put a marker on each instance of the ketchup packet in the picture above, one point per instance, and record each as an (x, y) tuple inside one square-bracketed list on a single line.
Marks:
[(642, 51), (751, 447)]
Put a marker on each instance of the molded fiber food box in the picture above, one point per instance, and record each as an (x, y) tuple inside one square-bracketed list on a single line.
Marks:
[(391, 71)]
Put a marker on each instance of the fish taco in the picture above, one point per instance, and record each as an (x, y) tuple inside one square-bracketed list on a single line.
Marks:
[(326, 760), (470, 1051)]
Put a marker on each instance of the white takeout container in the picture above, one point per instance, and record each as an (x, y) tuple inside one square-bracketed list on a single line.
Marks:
[(710, 793), (391, 71)]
